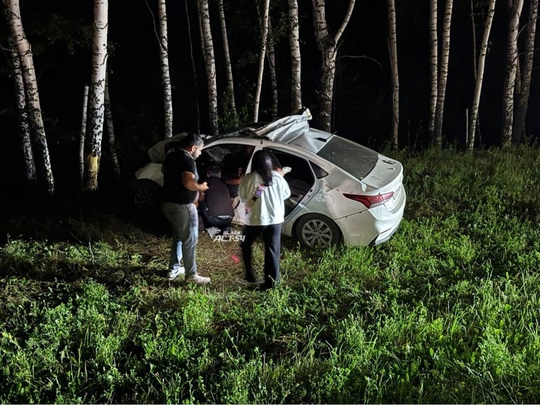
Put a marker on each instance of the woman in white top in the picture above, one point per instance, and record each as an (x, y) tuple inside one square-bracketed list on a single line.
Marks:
[(264, 191)]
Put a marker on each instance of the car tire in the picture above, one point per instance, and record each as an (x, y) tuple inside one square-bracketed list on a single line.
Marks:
[(146, 197), (317, 231)]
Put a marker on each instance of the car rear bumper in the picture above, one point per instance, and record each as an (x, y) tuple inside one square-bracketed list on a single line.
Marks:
[(372, 227)]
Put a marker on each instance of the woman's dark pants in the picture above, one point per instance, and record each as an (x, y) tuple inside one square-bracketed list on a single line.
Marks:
[(271, 235)]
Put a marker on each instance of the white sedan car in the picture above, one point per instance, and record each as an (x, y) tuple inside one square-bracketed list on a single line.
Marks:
[(340, 191)]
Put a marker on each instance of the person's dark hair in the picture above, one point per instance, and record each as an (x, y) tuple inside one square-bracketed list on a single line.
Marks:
[(184, 142), (191, 139), (214, 171), (264, 162)]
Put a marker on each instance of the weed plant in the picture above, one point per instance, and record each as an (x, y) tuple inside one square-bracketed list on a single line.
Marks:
[(447, 311)]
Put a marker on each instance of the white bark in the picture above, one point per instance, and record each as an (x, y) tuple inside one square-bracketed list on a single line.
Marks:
[(480, 75), (443, 73), (82, 135), (327, 45), (96, 102), (511, 68), (22, 117), (392, 44), (165, 74), (24, 53), (210, 64), (296, 61), (521, 112), (264, 36), (434, 63), (231, 111)]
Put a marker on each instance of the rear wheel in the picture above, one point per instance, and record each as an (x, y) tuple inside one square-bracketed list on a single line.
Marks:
[(146, 195), (317, 231)]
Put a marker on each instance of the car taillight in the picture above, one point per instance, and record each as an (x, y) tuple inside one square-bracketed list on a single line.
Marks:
[(370, 201)]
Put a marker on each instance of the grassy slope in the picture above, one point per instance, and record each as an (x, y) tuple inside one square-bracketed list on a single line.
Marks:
[(447, 311)]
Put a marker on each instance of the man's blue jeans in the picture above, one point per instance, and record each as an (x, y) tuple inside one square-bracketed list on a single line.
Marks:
[(184, 221)]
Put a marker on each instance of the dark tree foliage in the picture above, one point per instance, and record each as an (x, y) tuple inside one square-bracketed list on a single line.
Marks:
[(60, 33)]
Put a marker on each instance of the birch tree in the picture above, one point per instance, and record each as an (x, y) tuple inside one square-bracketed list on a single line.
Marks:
[(110, 131), (210, 64), (33, 105), (230, 98), (271, 57), (480, 75), (296, 61), (22, 116), (96, 100), (443, 74), (392, 45), (434, 65), (526, 74), (264, 36), (193, 67), (165, 74), (511, 68), (328, 47), (82, 135)]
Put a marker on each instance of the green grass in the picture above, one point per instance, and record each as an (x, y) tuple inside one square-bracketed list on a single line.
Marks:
[(447, 311)]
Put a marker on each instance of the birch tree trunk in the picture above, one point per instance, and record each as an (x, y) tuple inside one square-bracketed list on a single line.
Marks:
[(296, 61), (264, 36), (511, 68), (210, 64), (443, 74), (392, 45), (271, 56), (24, 53), (473, 36), (230, 108), (327, 45), (434, 64), (480, 75), (82, 136), (22, 117), (110, 131), (521, 113), (165, 74), (193, 67), (96, 102)]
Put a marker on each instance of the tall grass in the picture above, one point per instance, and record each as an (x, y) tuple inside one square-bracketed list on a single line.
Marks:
[(447, 311)]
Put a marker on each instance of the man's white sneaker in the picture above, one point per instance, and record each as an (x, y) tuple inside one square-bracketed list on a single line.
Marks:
[(175, 273), (196, 279)]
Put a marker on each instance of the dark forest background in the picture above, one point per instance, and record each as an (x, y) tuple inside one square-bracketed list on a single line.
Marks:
[(60, 34)]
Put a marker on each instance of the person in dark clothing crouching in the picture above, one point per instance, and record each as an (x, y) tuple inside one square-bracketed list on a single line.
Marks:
[(215, 206)]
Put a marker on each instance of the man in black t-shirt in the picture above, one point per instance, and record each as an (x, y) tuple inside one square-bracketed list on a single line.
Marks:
[(180, 192)]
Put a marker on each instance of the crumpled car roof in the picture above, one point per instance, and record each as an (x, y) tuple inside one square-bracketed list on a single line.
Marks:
[(292, 129), (295, 130)]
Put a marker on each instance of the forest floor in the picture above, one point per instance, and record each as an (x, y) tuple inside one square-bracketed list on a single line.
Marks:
[(91, 218)]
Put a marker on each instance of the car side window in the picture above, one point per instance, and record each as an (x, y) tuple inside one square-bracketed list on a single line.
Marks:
[(319, 171), (300, 178), (301, 170)]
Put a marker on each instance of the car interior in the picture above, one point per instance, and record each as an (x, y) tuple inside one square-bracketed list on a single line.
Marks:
[(300, 178)]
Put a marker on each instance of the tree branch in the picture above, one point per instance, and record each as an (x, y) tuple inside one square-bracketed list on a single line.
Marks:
[(345, 21)]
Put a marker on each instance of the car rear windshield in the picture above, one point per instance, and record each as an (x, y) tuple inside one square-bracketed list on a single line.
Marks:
[(349, 156)]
